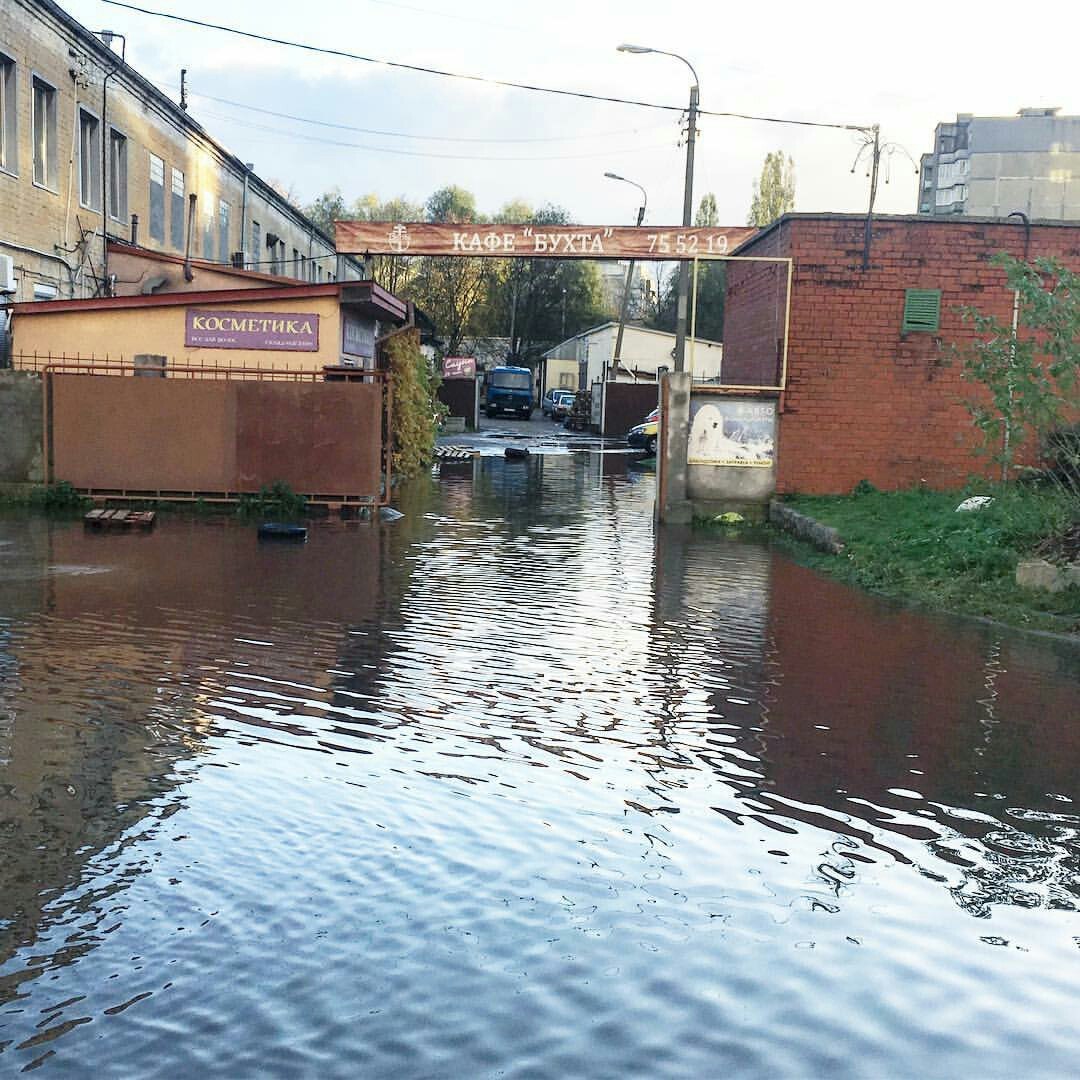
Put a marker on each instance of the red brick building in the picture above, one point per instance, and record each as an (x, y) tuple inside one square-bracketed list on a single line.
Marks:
[(870, 393)]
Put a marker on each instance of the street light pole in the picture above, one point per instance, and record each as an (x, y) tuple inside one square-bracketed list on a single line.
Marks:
[(629, 276), (688, 199)]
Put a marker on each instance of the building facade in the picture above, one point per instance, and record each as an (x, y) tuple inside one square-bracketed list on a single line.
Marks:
[(991, 166), (89, 149), (873, 390), (586, 358)]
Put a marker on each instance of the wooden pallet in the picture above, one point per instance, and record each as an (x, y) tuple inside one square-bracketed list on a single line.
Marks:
[(454, 453), (120, 519)]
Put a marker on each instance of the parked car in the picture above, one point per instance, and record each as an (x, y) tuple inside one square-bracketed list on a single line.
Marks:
[(564, 400), (556, 403), (643, 436)]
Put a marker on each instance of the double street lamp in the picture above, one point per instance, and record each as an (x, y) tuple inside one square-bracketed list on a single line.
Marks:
[(629, 274), (688, 199)]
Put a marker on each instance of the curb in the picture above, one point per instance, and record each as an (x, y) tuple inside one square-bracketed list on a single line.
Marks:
[(823, 537)]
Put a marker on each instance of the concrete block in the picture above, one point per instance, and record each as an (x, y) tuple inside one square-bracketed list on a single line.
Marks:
[(21, 450), (823, 537), (1040, 574)]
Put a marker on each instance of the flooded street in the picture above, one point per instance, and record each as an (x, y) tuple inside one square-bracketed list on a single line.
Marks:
[(514, 788)]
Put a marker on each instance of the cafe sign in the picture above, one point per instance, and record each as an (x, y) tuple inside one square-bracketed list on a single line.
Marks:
[(658, 242), (281, 331)]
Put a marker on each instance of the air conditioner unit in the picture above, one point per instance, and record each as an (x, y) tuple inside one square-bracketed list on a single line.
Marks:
[(7, 274)]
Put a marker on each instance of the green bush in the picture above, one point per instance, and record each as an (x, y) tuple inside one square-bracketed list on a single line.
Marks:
[(58, 496), (277, 499)]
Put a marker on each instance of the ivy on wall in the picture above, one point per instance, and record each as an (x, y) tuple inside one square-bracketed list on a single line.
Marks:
[(416, 410)]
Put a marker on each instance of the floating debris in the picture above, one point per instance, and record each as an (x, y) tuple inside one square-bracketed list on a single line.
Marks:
[(120, 519), (280, 530)]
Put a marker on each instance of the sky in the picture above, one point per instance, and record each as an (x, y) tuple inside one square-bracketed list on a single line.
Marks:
[(905, 66)]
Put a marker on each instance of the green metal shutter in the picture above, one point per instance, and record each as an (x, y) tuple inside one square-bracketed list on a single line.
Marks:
[(922, 310)]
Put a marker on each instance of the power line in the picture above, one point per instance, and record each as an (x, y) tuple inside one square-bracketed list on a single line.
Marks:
[(425, 153), (406, 134), (470, 78), (390, 63)]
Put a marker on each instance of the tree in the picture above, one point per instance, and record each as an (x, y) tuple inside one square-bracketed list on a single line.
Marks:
[(538, 302), (449, 288), (327, 208), (708, 216), (774, 191), (1029, 378)]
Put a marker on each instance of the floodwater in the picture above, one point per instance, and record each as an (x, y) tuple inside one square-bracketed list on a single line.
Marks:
[(516, 788)]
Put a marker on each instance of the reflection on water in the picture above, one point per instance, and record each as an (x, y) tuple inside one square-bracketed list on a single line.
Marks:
[(516, 788)]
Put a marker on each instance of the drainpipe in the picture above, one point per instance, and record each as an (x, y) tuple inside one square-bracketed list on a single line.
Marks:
[(248, 167), (1006, 433), (107, 37)]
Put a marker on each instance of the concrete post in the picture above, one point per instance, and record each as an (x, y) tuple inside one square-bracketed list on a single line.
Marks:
[(672, 507)]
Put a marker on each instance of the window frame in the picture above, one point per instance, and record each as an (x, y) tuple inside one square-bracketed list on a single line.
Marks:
[(224, 227), (51, 162), (177, 223), (89, 170), (9, 115), (119, 165), (151, 157)]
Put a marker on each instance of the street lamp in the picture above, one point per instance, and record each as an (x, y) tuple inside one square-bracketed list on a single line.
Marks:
[(688, 197), (629, 275)]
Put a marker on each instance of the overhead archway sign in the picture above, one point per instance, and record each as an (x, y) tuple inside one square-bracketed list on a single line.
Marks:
[(533, 241)]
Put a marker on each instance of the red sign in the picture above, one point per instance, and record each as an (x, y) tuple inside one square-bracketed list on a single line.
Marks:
[(532, 241), (459, 367), (283, 331)]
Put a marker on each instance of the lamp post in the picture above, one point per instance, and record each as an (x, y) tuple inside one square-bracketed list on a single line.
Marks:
[(688, 198), (629, 275)]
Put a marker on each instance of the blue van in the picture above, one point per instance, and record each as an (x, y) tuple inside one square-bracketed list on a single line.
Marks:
[(510, 389)]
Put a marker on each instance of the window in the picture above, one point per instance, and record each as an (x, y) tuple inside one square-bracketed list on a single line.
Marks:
[(44, 120), (922, 311), (256, 246), (297, 264), (176, 211), (118, 190), (223, 231), (9, 142), (157, 199), (89, 160), (208, 233)]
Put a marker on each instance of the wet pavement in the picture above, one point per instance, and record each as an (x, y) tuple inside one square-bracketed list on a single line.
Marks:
[(515, 787)]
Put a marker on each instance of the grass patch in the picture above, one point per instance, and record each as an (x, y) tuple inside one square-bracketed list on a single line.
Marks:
[(914, 546), (59, 498)]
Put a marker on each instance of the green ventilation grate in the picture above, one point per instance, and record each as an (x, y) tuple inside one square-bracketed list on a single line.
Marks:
[(922, 310)]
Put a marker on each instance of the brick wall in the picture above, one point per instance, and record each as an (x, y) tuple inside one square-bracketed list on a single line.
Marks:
[(865, 401), (754, 316), (54, 236)]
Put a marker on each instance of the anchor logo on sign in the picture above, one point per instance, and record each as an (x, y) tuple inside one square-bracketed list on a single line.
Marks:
[(398, 239)]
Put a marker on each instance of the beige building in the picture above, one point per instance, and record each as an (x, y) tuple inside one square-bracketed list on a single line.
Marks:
[(90, 149), (587, 357)]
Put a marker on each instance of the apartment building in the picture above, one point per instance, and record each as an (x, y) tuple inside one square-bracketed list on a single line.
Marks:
[(991, 166), (90, 150)]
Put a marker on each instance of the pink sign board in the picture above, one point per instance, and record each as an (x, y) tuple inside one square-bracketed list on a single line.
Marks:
[(459, 367), (284, 331)]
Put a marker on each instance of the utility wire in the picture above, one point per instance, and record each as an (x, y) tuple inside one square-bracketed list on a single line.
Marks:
[(405, 134), (282, 134), (470, 78), (390, 63)]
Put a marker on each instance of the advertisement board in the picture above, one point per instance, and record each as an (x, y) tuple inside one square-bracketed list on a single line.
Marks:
[(281, 331), (732, 432)]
